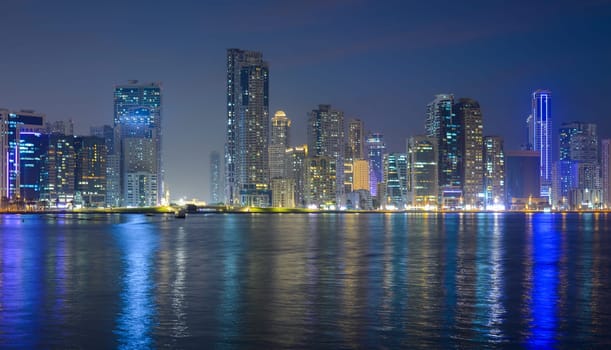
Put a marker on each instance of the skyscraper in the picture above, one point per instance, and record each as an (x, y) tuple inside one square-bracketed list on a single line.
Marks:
[(113, 163), (471, 142), (395, 180), (90, 171), (59, 171), (295, 169), (606, 171), (375, 152), (494, 173), (21, 147), (246, 144), (137, 121), (326, 139), (576, 182), (443, 124), (320, 182), (354, 144), (422, 172), (542, 137), (215, 177), (278, 144)]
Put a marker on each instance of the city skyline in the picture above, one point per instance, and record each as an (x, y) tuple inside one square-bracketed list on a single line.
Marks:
[(76, 83)]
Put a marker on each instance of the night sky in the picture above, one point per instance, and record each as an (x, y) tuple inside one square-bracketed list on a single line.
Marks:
[(381, 61)]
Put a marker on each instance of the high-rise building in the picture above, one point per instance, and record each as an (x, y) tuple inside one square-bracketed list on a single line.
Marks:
[(354, 151), (436, 111), (422, 182), (443, 124), (375, 152), (246, 144), (215, 177), (320, 188), (355, 142), (295, 170), (113, 164), (395, 180), (471, 139), (59, 172), (90, 171), (64, 127), (283, 192), (326, 139), (578, 169), (137, 120), (278, 144), (360, 175), (21, 145), (522, 177), (606, 170), (542, 137), (494, 173)]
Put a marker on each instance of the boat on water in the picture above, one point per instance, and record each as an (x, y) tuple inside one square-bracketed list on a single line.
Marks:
[(180, 213)]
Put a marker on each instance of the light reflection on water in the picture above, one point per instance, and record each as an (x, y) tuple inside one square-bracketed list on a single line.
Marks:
[(303, 281)]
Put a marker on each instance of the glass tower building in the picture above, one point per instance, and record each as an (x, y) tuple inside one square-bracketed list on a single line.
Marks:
[(137, 122), (542, 137), (246, 143), (375, 152), (469, 115)]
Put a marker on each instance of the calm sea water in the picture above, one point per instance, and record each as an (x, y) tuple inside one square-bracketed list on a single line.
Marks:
[(306, 281)]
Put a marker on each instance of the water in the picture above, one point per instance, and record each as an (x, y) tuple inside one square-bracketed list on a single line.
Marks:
[(305, 281)]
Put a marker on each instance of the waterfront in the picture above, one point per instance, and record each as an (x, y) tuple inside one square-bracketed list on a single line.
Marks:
[(305, 280)]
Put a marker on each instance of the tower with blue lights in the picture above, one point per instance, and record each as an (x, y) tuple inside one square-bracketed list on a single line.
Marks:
[(542, 137), (137, 122), (375, 151)]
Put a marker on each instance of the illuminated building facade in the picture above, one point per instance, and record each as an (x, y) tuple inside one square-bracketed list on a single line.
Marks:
[(22, 143), (246, 143), (471, 143), (326, 139), (375, 153), (113, 164), (215, 178), (606, 170), (494, 173), (360, 175), (395, 180), (59, 171), (137, 121), (542, 137), (90, 171), (283, 193), (279, 142), (320, 186), (295, 169), (422, 181)]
